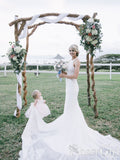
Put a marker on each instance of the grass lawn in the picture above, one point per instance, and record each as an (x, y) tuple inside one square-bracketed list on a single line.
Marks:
[(11, 128)]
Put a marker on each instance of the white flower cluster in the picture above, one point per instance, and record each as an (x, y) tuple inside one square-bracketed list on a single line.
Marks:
[(60, 66), (91, 34), (17, 49), (16, 56), (92, 31)]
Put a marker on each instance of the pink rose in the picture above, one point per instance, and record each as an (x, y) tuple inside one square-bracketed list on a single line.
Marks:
[(12, 56), (12, 46), (93, 26)]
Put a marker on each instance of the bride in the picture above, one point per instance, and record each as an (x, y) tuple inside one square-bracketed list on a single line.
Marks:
[(68, 137)]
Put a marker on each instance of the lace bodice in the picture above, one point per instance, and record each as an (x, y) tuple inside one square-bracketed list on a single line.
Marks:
[(71, 84), (70, 67)]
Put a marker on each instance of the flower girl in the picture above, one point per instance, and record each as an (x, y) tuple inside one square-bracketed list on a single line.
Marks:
[(39, 105), (36, 112)]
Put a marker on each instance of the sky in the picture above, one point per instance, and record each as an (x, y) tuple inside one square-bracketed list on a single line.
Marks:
[(52, 39)]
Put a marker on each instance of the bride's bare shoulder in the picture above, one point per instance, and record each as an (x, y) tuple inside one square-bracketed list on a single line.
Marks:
[(77, 62)]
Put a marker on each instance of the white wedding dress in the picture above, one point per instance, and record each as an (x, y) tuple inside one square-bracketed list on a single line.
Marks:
[(68, 137)]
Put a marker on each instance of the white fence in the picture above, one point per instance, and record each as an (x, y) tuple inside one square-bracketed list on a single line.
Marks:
[(37, 71)]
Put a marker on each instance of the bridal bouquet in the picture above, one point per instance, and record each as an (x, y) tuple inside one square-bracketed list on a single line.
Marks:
[(16, 56), (91, 35), (60, 67)]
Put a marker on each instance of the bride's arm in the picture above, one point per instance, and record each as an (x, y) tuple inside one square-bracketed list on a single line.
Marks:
[(76, 72)]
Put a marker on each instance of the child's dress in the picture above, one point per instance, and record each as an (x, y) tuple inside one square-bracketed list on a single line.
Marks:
[(35, 113), (41, 107)]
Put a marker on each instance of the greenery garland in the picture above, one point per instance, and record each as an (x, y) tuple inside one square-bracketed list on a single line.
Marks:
[(91, 35), (16, 56)]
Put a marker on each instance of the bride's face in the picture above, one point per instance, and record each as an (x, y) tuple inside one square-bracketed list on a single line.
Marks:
[(72, 52)]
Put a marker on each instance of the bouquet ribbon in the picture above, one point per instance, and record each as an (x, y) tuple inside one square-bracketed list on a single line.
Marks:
[(59, 72)]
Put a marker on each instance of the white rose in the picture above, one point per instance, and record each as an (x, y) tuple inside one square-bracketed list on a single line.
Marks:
[(88, 30), (14, 58), (94, 32), (90, 20), (17, 49), (64, 66), (9, 51), (88, 38), (58, 66), (94, 42)]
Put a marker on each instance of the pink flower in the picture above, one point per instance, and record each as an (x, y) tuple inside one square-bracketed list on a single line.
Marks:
[(12, 56), (93, 26), (12, 46)]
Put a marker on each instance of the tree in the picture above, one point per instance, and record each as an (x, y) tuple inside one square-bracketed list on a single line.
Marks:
[(108, 58)]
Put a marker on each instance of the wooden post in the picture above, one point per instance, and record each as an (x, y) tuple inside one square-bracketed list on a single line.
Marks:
[(88, 80), (93, 87), (24, 73)]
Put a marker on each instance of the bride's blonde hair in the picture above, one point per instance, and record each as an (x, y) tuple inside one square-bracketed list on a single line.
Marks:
[(75, 47)]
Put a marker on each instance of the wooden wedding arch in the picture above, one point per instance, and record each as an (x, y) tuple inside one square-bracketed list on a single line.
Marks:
[(19, 26)]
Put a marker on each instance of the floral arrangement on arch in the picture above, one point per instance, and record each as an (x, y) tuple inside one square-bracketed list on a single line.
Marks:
[(16, 56), (91, 35)]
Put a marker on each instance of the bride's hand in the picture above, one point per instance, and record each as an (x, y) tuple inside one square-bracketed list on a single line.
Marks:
[(62, 75)]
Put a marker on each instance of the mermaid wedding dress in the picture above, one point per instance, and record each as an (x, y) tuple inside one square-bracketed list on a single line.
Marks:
[(68, 137)]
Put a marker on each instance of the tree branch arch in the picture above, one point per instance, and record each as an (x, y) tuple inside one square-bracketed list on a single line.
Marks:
[(18, 30)]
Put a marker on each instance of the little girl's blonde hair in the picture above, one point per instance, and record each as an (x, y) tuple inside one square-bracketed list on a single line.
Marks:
[(35, 93)]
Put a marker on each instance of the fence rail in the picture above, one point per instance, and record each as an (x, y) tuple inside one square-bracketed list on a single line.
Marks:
[(37, 71)]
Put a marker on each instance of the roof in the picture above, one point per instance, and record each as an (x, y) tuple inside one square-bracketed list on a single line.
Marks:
[(58, 57)]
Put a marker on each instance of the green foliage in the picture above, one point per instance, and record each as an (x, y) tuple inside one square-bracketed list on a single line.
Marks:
[(40, 67), (16, 56), (91, 35), (108, 58)]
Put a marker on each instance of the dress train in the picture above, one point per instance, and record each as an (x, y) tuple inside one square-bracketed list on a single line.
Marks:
[(68, 137)]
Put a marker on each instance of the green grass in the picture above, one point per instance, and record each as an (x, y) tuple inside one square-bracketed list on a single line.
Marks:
[(11, 128)]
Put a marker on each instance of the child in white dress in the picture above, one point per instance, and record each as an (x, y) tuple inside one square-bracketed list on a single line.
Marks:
[(36, 112), (39, 104)]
